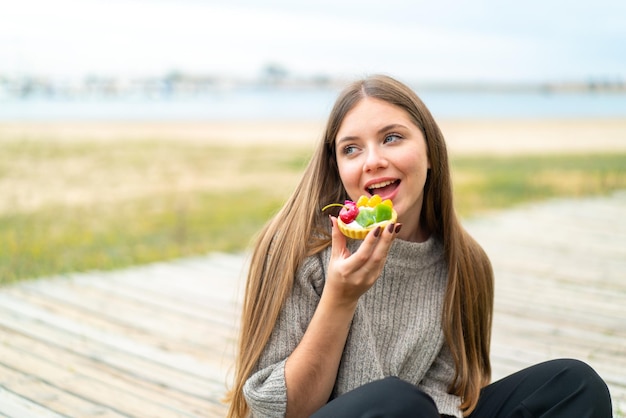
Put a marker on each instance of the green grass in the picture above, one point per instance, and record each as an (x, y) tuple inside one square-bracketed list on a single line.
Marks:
[(483, 184), (59, 240), (167, 222)]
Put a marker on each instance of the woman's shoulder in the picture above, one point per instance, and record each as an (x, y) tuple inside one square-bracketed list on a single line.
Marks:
[(313, 270)]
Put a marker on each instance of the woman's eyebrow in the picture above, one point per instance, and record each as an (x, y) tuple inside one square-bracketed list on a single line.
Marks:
[(347, 139), (391, 127), (382, 130)]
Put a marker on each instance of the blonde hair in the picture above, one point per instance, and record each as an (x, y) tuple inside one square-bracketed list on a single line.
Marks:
[(280, 250)]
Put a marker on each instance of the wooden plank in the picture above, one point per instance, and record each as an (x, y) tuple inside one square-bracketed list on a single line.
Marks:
[(164, 350), (128, 403), (120, 361), (14, 405), (191, 363), (90, 379), (29, 396), (122, 315)]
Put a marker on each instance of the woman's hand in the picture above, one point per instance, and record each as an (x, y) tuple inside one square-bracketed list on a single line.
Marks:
[(350, 275)]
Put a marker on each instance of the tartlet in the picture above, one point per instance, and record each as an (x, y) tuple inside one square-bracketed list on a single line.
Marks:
[(357, 219)]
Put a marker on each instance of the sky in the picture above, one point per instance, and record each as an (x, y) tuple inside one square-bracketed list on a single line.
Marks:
[(436, 40)]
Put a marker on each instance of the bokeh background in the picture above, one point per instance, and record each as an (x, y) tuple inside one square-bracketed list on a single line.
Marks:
[(443, 41), (139, 131)]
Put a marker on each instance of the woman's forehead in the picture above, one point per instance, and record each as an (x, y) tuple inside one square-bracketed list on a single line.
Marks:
[(373, 114)]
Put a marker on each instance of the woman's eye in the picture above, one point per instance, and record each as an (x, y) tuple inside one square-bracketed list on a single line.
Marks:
[(350, 149), (392, 138)]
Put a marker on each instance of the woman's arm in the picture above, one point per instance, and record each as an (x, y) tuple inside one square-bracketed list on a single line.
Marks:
[(311, 369)]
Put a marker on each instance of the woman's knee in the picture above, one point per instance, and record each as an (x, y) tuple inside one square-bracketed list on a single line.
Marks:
[(578, 370), (388, 397), (563, 388), (394, 397), (589, 379), (580, 381), (398, 388)]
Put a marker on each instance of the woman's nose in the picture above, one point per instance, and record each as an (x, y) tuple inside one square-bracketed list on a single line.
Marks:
[(374, 160)]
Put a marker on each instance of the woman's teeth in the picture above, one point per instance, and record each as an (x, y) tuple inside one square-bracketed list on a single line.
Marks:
[(372, 188)]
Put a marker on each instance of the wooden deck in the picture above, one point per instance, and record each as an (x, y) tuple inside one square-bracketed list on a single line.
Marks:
[(157, 340)]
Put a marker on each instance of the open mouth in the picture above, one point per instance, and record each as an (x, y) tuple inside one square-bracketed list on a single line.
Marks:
[(383, 188)]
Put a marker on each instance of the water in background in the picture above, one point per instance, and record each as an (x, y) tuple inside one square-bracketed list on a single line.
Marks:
[(305, 104)]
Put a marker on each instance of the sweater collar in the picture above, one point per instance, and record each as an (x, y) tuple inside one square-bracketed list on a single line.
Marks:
[(416, 254)]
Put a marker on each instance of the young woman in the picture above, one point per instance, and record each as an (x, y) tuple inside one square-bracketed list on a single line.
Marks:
[(395, 325)]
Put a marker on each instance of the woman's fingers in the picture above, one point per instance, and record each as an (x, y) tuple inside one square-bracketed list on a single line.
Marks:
[(351, 275), (372, 253)]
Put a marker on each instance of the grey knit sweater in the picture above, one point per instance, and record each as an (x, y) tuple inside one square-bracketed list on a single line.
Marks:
[(396, 330)]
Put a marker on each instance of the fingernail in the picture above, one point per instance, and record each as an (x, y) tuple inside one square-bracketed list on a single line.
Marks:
[(377, 231), (390, 227), (398, 228)]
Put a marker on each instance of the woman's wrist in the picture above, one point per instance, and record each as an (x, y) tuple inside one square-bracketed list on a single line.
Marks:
[(337, 302)]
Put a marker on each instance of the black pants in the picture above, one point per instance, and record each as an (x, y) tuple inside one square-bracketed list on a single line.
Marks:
[(558, 388)]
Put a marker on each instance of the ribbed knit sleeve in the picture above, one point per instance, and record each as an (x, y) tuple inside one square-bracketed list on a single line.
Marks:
[(265, 391), (436, 382)]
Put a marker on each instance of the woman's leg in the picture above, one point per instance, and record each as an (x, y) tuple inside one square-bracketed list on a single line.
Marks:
[(386, 398), (558, 388)]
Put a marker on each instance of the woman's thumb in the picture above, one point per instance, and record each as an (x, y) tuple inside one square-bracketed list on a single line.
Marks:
[(338, 239)]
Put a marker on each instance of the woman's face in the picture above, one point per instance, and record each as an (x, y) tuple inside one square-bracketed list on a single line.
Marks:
[(381, 151)]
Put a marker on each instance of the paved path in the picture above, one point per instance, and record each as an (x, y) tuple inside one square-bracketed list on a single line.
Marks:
[(157, 340)]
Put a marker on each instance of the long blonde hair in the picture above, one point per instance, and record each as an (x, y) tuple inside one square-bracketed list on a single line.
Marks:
[(281, 249)]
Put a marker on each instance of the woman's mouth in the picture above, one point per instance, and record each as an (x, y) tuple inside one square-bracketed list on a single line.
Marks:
[(383, 188)]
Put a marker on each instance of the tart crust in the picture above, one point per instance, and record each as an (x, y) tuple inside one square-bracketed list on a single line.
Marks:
[(361, 232)]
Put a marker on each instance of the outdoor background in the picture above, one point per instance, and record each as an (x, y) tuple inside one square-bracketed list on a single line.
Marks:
[(135, 131)]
